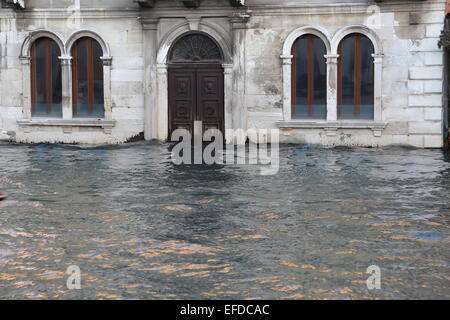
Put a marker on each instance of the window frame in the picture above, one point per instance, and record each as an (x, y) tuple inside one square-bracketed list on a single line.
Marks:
[(357, 80), (90, 77), (310, 57), (49, 45)]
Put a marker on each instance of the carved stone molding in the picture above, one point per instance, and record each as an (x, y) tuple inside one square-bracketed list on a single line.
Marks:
[(187, 3), (239, 20), (68, 125)]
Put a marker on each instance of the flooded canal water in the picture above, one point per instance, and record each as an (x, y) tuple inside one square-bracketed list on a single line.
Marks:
[(140, 227)]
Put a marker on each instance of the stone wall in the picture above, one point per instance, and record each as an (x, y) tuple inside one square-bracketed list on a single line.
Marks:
[(120, 30), (412, 71), (412, 66)]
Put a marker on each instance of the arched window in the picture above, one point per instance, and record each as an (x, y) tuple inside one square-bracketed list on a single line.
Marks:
[(309, 78), (87, 79), (356, 78), (46, 83), (194, 48)]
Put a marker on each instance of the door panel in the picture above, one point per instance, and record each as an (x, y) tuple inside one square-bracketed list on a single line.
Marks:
[(196, 94), (210, 98), (182, 100)]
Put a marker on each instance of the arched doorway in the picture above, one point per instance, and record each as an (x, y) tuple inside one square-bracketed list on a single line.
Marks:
[(196, 84)]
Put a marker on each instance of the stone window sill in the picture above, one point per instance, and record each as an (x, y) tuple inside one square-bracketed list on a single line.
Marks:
[(332, 127), (68, 124)]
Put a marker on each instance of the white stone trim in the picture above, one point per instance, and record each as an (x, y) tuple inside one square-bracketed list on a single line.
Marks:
[(378, 86), (287, 86), (332, 81), (90, 34), (66, 78), (228, 95), (362, 29), (68, 124), (34, 35), (331, 127), (107, 103), (26, 86), (162, 101), (297, 33)]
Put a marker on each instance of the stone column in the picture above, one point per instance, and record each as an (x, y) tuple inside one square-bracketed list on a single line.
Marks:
[(162, 102), (26, 87), (228, 95), (332, 81), (287, 83), (150, 28), (66, 74), (107, 62), (378, 85), (239, 107)]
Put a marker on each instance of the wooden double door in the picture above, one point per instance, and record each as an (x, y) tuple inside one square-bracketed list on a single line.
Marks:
[(196, 93)]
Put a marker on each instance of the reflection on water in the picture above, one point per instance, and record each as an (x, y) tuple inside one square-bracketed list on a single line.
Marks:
[(141, 228)]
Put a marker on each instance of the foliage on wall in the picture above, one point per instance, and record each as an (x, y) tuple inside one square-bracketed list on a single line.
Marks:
[(444, 40)]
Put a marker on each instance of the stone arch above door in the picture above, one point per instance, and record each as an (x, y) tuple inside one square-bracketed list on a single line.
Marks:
[(217, 33), (195, 47)]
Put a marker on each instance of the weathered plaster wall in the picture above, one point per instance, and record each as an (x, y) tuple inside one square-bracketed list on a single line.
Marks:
[(10, 75), (104, 4), (412, 70), (412, 65), (121, 31)]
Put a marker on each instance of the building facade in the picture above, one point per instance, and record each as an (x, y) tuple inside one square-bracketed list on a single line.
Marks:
[(325, 72)]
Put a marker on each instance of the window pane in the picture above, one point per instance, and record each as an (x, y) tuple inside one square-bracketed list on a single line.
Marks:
[(310, 78), (81, 78), (301, 105), (320, 80), (367, 79), (347, 109), (89, 100), (56, 109), (40, 85), (361, 59), (47, 91), (98, 109)]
